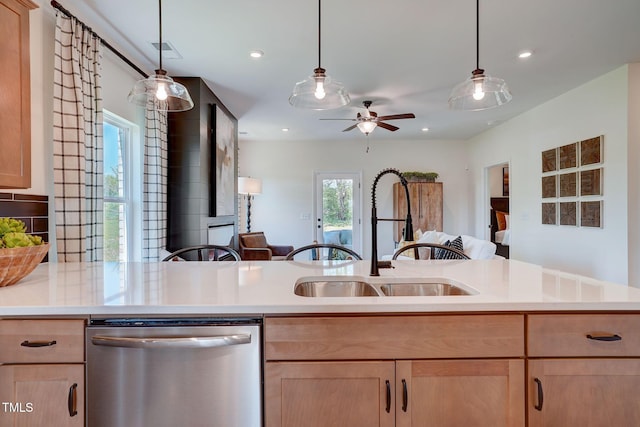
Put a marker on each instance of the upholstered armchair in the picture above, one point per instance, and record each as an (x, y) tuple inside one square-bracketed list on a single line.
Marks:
[(254, 246)]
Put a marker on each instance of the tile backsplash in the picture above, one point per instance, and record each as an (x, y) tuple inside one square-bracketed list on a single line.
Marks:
[(32, 209)]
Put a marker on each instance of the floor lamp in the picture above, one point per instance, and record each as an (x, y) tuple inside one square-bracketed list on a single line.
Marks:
[(249, 187)]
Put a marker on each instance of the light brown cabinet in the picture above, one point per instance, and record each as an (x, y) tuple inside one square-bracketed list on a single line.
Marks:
[(15, 94), (42, 372), (336, 370), (321, 394), (453, 393), (583, 370), (426, 206)]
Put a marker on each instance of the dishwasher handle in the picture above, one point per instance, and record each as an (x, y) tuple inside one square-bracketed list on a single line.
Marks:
[(171, 341)]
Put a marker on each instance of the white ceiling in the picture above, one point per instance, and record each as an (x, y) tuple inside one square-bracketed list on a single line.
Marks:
[(405, 55)]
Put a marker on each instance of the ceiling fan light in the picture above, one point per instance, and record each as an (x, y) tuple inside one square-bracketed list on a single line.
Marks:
[(367, 127), (479, 92), (155, 87), (308, 93)]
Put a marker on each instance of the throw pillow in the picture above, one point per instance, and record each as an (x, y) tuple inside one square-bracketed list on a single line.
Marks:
[(455, 244), (502, 221)]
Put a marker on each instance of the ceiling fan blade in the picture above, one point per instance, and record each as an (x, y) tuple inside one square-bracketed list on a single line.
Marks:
[(350, 128), (387, 126), (398, 116)]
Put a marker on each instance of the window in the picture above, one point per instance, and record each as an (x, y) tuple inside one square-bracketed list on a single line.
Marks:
[(119, 193)]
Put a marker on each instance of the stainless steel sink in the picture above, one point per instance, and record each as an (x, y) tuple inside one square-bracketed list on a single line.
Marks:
[(355, 286), (335, 288), (422, 289)]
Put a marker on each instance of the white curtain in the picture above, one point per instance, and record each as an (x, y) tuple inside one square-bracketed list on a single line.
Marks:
[(155, 183), (77, 141)]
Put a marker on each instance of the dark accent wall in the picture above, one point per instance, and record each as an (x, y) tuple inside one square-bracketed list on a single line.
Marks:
[(32, 209), (190, 141)]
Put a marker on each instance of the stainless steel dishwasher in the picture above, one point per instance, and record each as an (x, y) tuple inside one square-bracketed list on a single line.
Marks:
[(174, 372)]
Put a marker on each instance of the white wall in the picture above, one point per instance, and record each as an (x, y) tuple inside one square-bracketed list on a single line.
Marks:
[(596, 108), (633, 160), (286, 169)]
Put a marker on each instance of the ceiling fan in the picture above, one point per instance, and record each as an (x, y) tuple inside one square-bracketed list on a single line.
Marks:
[(369, 120)]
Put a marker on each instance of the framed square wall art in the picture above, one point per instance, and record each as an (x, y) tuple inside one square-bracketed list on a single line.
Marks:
[(568, 213), (223, 156), (591, 214), (591, 182), (569, 184), (591, 151), (549, 160), (549, 213), (568, 155), (548, 186)]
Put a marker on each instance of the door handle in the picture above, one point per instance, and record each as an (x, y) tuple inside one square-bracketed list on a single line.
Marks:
[(388, 408), (171, 342)]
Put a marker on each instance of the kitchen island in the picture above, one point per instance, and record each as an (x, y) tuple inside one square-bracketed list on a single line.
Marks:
[(263, 287), (527, 346)]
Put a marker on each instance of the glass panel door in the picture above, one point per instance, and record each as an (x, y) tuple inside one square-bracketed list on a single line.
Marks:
[(338, 206)]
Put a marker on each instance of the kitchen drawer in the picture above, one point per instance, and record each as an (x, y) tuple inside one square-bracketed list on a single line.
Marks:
[(394, 337), (588, 335), (41, 341)]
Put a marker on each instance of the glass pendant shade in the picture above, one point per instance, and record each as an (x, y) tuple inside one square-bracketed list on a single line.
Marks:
[(165, 93), (367, 127), (319, 92), (160, 90), (479, 92)]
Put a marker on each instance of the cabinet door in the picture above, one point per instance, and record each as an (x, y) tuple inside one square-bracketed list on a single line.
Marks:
[(426, 206), (15, 120), (454, 393), (321, 394), (584, 392), (41, 395)]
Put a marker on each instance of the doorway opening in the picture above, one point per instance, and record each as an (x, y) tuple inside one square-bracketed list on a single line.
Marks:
[(498, 208), (338, 209)]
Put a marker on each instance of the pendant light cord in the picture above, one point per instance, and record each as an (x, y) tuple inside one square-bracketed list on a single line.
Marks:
[(319, 31), (160, 30), (477, 34)]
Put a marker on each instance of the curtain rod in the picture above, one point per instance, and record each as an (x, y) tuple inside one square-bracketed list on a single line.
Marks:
[(58, 6)]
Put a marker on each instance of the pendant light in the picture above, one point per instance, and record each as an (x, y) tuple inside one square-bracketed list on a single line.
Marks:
[(167, 94), (319, 91), (480, 91)]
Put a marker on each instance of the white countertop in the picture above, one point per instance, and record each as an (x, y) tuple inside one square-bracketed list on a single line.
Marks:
[(266, 287)]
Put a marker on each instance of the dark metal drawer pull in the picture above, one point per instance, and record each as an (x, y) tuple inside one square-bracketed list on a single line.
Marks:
[(604, 337), (388, 408), (405, 395), (71, 400), (538, 405), (27, 343)]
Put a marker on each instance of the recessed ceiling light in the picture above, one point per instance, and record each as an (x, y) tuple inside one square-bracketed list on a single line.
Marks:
[(243, 132), (285, 129), (256, 54), (425, 129), (525, 54)]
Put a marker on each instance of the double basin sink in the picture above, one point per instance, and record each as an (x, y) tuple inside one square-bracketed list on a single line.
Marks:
[(348, 286)]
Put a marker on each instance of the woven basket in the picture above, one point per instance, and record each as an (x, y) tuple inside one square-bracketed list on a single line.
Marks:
[(17, 263)]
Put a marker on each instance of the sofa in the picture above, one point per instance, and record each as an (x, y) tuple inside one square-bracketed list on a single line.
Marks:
[(473, 247)]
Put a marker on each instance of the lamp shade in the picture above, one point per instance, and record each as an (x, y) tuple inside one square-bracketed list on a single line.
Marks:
[(367, 127), (249, 186), (479, 92), (319, 92), (165, 93)]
